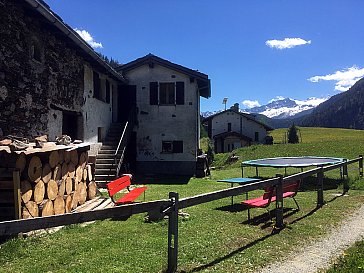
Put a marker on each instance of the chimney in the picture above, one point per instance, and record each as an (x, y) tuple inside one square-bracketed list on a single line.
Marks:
[(235, 107)]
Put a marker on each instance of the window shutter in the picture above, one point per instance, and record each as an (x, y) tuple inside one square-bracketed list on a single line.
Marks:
[(177, 146), (96, 85), (180, 93), (153, 93), (107, 91)]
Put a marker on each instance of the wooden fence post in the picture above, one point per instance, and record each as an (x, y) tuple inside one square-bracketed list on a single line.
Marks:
[(361, 165), (320, 187), (173, 234), (279, 202), (346, 177)]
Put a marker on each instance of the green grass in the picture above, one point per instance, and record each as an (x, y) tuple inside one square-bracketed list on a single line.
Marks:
[(216, 236), (351, 262)]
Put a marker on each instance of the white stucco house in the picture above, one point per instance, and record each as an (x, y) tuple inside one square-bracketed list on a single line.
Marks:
[(231, 129), (167, 130)]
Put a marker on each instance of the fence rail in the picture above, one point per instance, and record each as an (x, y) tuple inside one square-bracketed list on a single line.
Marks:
[(173, 204)]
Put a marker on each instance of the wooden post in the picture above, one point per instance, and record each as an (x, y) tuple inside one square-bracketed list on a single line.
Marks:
[(361, 165), (320, 188), (17, 195), (279, 202), (346, 177), (173, 234)]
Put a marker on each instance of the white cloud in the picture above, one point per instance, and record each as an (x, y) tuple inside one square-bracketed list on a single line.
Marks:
[(344, 78), (286, 43), (250, 103), (88, 38)]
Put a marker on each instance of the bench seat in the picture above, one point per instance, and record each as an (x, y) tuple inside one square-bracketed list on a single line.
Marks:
[(261, 202), (121, 184), (130, 196)]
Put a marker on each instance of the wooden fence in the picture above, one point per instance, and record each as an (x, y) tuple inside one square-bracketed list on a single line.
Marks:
[(171, 206)]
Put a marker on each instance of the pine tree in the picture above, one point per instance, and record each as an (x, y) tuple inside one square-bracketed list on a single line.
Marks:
[(293, 135)]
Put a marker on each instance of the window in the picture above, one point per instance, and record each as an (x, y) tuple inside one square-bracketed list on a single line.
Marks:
[(256, 136), (36, 50), (229, 127), (166, 93), (97, 86), (107, 99), (172, 147)]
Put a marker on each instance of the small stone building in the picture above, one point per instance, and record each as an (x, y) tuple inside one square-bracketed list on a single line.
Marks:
[(231, 129)]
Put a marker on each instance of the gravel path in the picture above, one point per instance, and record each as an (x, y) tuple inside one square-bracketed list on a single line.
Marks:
[(321, 254)]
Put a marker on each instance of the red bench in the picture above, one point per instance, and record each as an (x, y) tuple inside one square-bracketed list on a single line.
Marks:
[(121, 183), (289, 191)]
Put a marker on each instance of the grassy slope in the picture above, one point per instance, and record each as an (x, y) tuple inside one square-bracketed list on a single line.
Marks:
[(214, 238)]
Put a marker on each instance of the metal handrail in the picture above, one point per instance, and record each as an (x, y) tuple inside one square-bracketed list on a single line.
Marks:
[(124, 138)]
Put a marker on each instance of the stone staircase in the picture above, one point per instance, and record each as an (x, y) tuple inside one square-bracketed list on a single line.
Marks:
[(105, 168)]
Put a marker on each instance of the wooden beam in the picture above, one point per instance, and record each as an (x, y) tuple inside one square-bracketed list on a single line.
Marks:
[(173, 234), (25, 225), (211, 196), (361, 165), (279, 202), (320, 188)]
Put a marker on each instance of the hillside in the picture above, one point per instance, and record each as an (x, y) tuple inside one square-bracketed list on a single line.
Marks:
[(345, 110)]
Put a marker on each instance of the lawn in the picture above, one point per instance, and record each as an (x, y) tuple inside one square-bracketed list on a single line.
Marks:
[(351, 262), (215, 237)]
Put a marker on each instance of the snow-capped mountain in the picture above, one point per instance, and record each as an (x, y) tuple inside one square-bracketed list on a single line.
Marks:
[(285, 107)]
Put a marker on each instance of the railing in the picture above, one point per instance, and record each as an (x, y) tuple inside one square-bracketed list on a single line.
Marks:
[(173, 204), (124, 140)]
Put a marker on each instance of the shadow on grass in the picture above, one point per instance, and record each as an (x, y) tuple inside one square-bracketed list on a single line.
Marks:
[(231, 254), (310, 184), (265, 220), (161, 179)]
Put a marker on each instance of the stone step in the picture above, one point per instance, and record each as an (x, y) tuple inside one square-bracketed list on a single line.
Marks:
[(110, 166), (105, 156), (103, 152), (104, 177), (105, 171), (104, 161), (109, 147)]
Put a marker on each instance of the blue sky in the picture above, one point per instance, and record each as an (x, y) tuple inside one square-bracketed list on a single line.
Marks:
[(253, 51)]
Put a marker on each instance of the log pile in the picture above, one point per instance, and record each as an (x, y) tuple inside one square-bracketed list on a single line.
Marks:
[(55, 182)]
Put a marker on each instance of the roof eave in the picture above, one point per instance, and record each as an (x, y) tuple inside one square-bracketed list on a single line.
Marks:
[(70, 33), (203, 82)]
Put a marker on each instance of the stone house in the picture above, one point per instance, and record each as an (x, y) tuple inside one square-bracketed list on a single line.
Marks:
[(231, 129), (167, 131), (51, 81)]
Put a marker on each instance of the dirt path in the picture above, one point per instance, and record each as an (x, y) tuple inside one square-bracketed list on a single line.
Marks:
[(322, 253)]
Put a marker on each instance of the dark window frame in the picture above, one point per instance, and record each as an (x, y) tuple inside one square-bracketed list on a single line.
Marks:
[(161, 93), (256, 136), (172, 147)]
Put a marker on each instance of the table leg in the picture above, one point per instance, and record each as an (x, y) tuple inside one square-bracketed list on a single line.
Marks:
[(246, 198), (232, 197)]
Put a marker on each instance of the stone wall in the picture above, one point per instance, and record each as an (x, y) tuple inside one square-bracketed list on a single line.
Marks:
[(38, 70)]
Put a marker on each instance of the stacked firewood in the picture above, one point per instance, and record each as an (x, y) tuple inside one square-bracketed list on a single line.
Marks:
[(55, 182)]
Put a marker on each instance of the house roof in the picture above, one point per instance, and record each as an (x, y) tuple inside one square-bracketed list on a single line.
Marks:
[(247, 116), (203, 81), (232, 133), (44, 11)]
